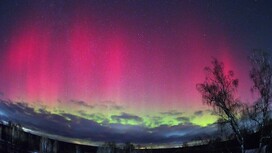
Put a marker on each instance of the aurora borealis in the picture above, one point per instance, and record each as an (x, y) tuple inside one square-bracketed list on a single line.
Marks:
[(122, 70)]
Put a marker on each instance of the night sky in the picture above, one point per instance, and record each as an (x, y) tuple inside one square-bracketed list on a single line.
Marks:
[(110, 70)]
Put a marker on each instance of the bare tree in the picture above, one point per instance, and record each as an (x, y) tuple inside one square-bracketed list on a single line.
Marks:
[(129, 147), (218, 90), (78, 149), (261, 75), (108, 147), (45, 145)]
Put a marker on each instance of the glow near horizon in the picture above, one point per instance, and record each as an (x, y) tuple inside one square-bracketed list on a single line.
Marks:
[(48, 64)]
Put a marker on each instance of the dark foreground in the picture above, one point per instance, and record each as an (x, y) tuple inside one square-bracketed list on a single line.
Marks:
[(14, 140)]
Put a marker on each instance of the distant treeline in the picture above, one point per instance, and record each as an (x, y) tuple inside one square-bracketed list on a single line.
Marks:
[(14, 140)]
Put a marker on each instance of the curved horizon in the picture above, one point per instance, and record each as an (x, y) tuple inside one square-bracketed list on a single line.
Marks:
[(123, 70)]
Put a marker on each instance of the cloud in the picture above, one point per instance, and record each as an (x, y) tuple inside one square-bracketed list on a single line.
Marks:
[(155, 121), (183, 119), (117, 107), (198, 113), (126, 116), (172, 113), (81, 103), (75, 127), (98, 117), (109, 104)]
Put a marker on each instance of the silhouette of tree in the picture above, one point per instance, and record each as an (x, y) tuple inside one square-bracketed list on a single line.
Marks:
[(56, 146), (261, 75), (129, 147), (108, 147), (45, 145), (78, 149), (218, 90)]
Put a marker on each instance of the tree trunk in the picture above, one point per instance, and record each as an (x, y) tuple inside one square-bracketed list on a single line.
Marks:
[(242, 147), (237, 133)]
